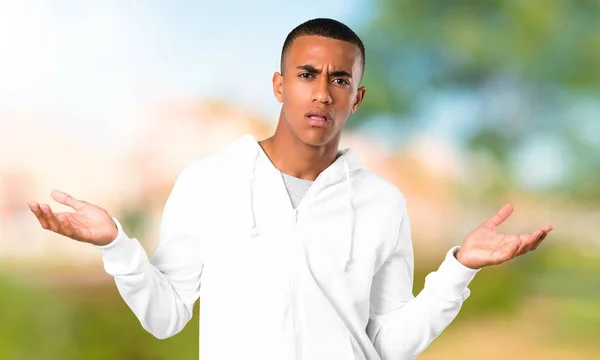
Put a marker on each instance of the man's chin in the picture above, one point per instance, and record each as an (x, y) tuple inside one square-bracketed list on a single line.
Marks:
[(318, 137)]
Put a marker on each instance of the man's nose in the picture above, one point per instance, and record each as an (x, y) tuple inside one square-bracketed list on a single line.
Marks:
[(321, 91)]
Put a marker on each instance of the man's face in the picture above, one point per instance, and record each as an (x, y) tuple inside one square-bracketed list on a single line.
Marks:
[(319, 87)]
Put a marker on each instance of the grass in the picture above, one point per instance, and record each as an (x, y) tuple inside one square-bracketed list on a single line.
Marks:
[(93, 323)]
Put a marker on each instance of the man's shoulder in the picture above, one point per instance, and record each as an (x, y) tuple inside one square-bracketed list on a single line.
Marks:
[(381, 190), (217, 164), (209, 162)]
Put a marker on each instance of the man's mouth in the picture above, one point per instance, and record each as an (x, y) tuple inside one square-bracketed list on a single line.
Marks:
[(318, 118)]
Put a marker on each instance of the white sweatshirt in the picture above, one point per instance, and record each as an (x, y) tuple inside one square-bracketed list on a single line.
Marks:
[(331, 279)]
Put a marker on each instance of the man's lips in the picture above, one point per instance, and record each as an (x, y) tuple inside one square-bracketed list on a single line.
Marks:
[(318, 121), (318, 115)]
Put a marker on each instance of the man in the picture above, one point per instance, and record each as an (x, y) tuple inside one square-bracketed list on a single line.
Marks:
[(296, 250)]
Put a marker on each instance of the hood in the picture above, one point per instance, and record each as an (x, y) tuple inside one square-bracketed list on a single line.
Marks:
[(246, 152)]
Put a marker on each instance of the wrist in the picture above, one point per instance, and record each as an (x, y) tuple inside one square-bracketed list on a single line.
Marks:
[(462, 259), (111, 236)]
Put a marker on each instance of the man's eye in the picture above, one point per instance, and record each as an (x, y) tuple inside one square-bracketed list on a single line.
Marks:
[(305, 75), (341, 82)]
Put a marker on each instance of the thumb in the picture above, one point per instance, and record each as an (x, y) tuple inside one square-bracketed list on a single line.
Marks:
[(67, 199), (499, 217), (506, 252)]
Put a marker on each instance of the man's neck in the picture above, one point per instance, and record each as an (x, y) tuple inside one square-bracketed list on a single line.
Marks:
[(295, 158)]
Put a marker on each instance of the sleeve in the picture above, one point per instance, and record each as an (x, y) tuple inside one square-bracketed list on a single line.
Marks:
[(161, 291), (401, 326)]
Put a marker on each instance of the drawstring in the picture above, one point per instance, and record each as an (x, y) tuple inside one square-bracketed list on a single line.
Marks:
[(350, 238), (253, 228)]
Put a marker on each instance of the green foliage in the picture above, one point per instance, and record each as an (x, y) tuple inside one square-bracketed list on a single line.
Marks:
[(494, 291), (79, 323), (566, 277), (571, 278), (529, 69), (465, 42)]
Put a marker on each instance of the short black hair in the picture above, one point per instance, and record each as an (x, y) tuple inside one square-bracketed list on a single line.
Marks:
[(325, 27)]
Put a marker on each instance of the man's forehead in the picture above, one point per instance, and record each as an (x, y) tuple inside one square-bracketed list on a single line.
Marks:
[(320, 49)]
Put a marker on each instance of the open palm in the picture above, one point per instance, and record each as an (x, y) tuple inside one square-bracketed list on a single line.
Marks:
[(89, 223), (485, 246)]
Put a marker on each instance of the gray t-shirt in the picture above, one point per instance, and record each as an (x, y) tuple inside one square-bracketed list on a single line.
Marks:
[(296, 188)]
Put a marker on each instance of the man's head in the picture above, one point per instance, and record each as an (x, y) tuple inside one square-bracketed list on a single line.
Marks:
[(322, 63)]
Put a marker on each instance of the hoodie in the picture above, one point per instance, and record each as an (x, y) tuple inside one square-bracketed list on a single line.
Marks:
[(330, 279)]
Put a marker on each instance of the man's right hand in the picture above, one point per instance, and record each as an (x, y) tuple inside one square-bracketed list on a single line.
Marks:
[(89, 223)]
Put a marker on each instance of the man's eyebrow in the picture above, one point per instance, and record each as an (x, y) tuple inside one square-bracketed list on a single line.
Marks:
[(337, 73)]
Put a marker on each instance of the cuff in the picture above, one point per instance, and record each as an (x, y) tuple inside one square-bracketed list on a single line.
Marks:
[(454, 277), (121, 237), (123, 255)]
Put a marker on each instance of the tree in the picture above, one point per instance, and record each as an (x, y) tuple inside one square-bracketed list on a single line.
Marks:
[(529, 67)]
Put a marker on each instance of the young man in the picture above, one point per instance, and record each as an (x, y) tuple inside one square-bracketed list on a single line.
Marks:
[(296, 250)]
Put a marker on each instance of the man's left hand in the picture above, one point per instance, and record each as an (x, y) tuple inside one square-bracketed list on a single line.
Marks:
[(485, 246)]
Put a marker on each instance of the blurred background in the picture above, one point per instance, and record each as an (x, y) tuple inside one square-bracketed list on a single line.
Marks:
[(470, 104)]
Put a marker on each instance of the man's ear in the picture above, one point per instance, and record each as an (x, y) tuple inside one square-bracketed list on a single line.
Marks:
[(278, 86), (360, 95)]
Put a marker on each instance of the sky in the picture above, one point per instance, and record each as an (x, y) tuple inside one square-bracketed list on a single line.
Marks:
[(95, 64), (87, 61)]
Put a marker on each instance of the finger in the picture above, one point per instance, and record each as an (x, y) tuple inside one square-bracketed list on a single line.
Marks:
[(527, 241), (500, 216), (539, 241), (534, 240), (37, 211), (67, 199), (506, 252), (51, 217)]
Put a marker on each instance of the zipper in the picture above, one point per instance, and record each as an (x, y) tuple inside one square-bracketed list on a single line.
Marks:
[(294, 301), (296, 323)]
